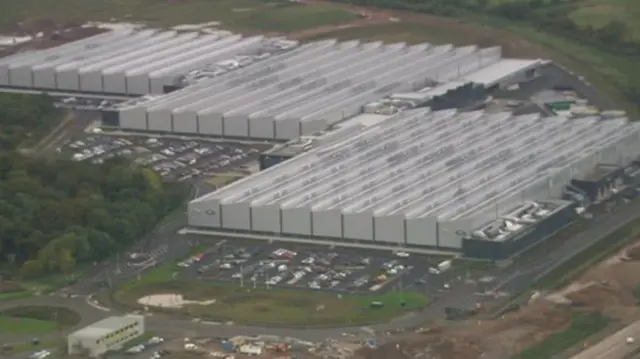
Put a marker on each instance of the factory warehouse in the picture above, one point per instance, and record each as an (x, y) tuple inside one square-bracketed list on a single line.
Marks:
[(306, 89), (425, 178), (225, 85)]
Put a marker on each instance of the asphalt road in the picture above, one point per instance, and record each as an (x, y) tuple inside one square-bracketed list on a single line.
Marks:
[(614, 346), (511, 279), (523, 275)]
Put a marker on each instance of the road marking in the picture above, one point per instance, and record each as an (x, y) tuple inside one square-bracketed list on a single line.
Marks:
[(92, 302)]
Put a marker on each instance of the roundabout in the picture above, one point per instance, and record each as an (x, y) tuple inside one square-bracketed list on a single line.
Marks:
[(272, 308), (37, 319)]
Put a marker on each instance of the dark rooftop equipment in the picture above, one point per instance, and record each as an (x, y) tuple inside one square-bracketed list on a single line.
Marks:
[(601, 179)]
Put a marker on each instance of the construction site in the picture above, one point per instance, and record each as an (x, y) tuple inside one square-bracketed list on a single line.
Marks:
[(607, 288)]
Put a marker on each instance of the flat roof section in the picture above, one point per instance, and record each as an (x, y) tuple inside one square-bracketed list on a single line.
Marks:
[(440, 164), (105, 326), (493, 74)]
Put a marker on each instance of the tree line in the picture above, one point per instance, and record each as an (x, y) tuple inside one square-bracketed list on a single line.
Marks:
[(550, 16), (57, 213)]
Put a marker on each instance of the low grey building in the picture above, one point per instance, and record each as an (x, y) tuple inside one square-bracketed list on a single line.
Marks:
[(108, 334)]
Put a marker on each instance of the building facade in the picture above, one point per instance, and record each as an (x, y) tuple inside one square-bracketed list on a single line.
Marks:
[(108, 334)]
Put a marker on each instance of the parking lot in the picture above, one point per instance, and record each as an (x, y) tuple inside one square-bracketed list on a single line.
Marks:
[(174, 159), (264, 265), (84, 103)]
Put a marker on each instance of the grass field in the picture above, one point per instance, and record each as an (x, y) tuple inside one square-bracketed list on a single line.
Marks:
[(598, 13), (582, 326), (587, 258), (269, 307), (241, 15), (223, 179), (35, 320)]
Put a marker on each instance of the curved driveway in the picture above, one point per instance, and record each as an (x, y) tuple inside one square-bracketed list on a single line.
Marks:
[(512, 279)]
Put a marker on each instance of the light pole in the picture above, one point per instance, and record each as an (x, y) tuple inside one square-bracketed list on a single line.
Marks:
[(118, 271)]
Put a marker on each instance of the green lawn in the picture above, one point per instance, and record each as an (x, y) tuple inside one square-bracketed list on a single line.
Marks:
[(262, 306), (274, 306), (241, 15), (582, 326), (598, 13), (36, 320)]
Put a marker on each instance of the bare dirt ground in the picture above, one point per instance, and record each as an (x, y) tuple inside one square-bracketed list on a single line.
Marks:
[(608, 287), (457, 29), (46, 33)]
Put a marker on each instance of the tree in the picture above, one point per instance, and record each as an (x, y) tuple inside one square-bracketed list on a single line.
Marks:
[(57, 213), (614, 32)]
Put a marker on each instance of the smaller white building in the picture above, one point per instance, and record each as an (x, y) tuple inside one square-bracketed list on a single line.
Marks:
[(108, 334), (247, 349)]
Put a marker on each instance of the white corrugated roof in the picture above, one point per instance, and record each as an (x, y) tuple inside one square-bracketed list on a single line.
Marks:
[(418, 163), (105, 326), (493, 74)]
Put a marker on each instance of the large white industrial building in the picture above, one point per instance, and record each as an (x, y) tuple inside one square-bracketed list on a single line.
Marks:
[(422, 178), (124, 61), (307, 89), (254, 87)]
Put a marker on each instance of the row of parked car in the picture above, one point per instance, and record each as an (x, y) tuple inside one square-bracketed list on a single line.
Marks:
[(40, 354), (139, 348)]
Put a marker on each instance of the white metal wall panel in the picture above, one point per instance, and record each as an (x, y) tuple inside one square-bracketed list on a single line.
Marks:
[(287, 128), (114, 82), (236, 216), (236, 125), (147, 46), (37, 57), (204, 214), (389, 229), (358, 225), (21, 76), (159, 120), (210, 124), (134, 118), (44, 78), (266, 218), (68, 75), (68, 80), (185, 122), (138, 84), (422, 231), (261, 127), (327, 223), (91, 81), (44, 74), (296, 221)]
